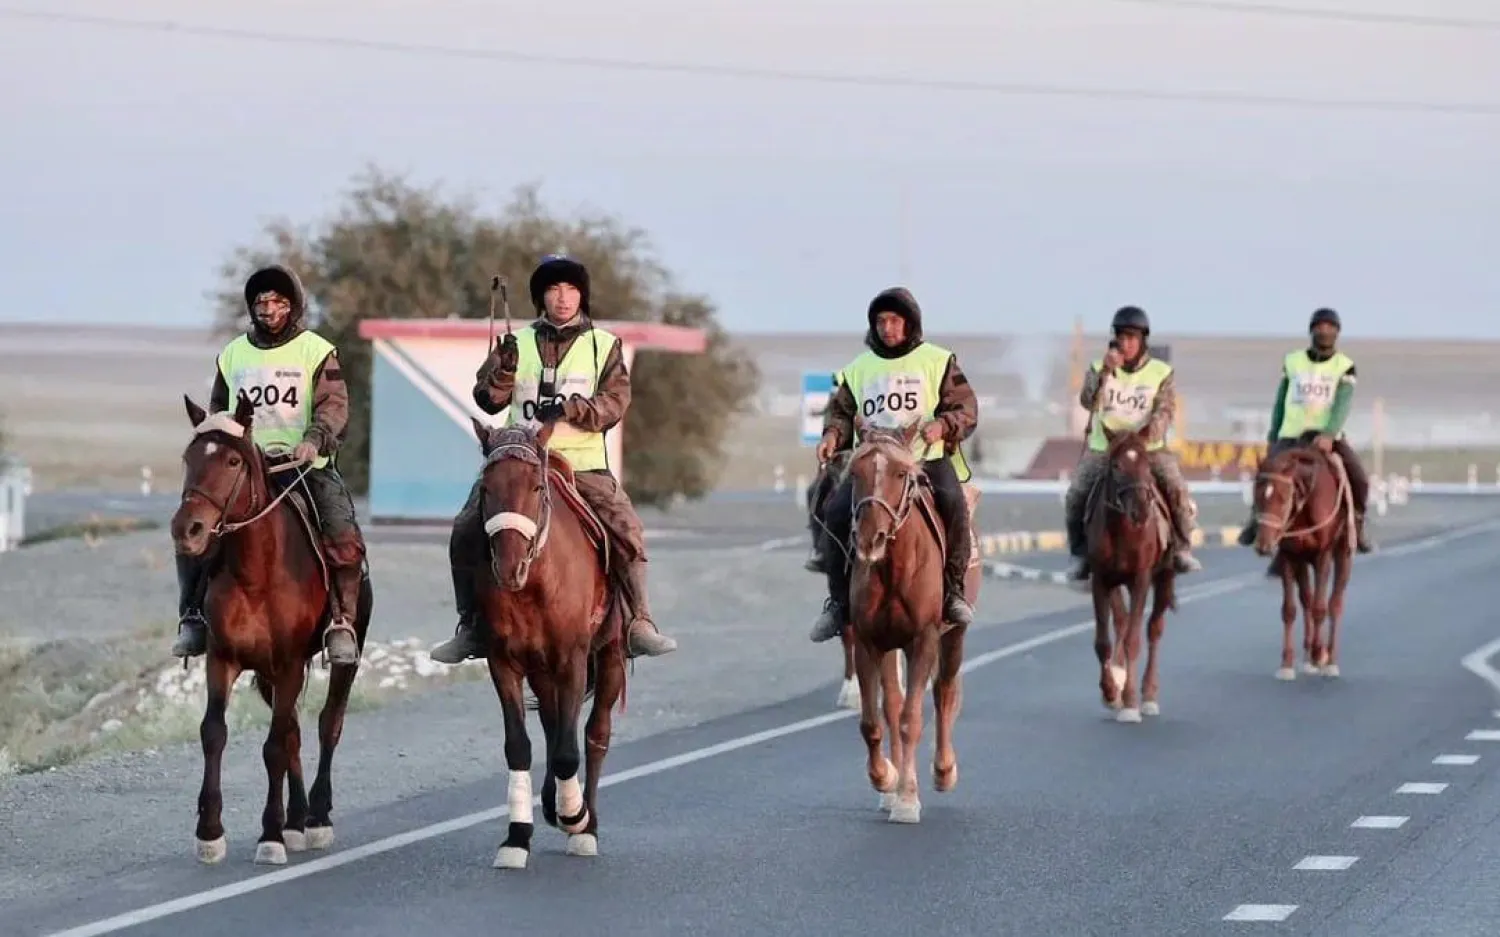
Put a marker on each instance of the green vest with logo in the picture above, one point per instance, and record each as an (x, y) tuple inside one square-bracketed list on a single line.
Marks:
[(578, 373), (1127, 399), (893, 393), (1310, 389), (279, 382)]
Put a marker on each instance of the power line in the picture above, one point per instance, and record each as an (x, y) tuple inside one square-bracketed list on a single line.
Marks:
[(1013, 89), (1324, 13)]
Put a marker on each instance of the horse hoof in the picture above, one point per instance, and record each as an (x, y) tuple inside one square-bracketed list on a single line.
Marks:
[(888, 801), (1117, 674), (212, 851), (849, 695), (295, 840), (904, 812), (1129, 714), (319, 837), (1286, 673), (1151, 708), (583, 844), (270, 854), (511, 857), (1309, 667), (889, 777), (1332, 670), (945, 780)]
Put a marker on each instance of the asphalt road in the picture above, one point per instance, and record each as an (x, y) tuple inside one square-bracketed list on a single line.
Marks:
[(1064, 822)]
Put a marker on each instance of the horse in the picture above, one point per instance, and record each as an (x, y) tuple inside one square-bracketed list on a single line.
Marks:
[(554, 622), (1304, 486), (896, 604), (818, 491), (267, 605), (1128, 532)]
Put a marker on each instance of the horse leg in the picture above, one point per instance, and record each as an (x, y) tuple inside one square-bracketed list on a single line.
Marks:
[(1130, 640), (1321, 581), (879, 769), (849, 691), (1305, 590), (516, 849), (293, 832), (921, 659), (1161, 598), (1110, 681), (271, 850), (610, 683), (892, 698), (546, 711), (214, 733), (330, 730), (564, 758), (946, 699), (1342, 568), (1288, 668)]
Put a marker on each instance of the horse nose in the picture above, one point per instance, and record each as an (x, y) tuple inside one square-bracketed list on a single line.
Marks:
[(195, 529)]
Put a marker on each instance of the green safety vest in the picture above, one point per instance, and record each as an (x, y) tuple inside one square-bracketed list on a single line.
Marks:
[(893, 393), (279, 382), (1311, 386), (578, 373), (1127, 402)]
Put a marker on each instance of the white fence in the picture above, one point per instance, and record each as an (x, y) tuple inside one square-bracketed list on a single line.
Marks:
[(15, 485)]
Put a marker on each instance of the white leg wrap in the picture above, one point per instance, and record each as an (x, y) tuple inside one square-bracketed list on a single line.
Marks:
[(569, 797), (519, 797)]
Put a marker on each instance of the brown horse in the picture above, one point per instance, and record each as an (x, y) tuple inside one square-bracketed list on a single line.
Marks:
[(896, 604), (1129, 529), (267, 607), (1305, 516), (555, 623)]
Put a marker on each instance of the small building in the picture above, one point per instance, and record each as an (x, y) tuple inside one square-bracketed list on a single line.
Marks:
[(423, 454)]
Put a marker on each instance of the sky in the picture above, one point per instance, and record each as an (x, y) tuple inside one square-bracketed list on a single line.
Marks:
[(135, 160)]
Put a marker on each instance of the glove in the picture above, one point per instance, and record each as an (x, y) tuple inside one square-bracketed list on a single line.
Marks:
[(507, 355), (825, 450), (550, 412)]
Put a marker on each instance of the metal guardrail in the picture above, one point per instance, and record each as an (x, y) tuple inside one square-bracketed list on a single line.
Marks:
[(15, 486)]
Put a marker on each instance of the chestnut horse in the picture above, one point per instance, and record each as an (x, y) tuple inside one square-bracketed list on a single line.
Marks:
[(896, 604), (1305, 516), (267, 606), (554, 622), (1128, 532)]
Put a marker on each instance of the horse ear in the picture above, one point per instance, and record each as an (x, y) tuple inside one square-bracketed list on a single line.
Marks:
[(196, 414), (481, 433), (244, 410), (544, 435)]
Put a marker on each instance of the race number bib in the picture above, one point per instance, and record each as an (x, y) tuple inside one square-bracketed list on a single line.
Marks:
[(1314, 392), (277, 393), (1126, 404), (526, 396), (892, 401)]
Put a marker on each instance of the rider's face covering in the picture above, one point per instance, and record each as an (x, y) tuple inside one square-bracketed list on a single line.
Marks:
[(1324, 334), (562, 300), (271, 311), (891, 328)]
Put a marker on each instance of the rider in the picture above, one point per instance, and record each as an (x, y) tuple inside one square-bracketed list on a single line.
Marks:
[(933, 390), (560, 369), (293, 377), (817, 499), (1138, 391), (1313, 399)]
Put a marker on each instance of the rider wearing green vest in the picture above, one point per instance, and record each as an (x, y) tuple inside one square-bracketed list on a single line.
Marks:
[(1125, 390), (293, 378), (1312, 405), (901, 379), (563, 370)]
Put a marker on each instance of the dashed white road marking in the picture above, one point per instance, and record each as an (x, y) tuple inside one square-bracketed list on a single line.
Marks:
[(1261, 912), (1325, 863), (1483, 735), (1422, 787), (1455, 759), (1379, 823)]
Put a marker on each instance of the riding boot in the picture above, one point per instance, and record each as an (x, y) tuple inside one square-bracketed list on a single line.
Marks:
[(339, 639), (642, 637), (1362, 539), (956, 607), (466, 642), (192, 627), (1248, 532), (815, 563), (835, 615), (1078, 549)]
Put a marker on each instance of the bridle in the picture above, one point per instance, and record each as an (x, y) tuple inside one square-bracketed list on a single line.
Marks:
[(898, 514), (1296, 500), (534, 531), (250, 454)]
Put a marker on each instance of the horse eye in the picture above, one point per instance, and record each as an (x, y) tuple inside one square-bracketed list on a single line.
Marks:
[(234, 461)]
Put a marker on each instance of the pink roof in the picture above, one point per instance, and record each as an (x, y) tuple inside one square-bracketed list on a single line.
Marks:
[(652, 335)]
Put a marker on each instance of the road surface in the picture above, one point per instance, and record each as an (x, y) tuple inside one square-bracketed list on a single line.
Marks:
[(1246, 798)]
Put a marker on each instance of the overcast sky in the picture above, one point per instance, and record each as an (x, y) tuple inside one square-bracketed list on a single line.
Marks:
[(134, 160)]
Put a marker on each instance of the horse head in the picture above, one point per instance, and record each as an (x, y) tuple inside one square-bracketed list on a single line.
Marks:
[(885, 473), (223, 476), (1129, 478), (515, 498), (1283, 487)]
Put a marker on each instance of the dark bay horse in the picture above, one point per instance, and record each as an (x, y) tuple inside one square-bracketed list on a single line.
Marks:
[(896, 604), (1305, 515), (267, 607), (554, 623), (1129, 530)]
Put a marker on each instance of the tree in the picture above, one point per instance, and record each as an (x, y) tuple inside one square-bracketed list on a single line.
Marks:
[(394, 250)]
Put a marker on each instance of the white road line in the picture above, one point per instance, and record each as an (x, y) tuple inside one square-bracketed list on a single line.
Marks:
[(1477, 662), (1379, 823), (1455, 759), (1483, 735), (779, 542), (355, 854), (1325, 863), (1422, 787), (1261, 912)]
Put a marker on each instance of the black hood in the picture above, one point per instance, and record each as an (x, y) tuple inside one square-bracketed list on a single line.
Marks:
[(897, 299), (284, 281)]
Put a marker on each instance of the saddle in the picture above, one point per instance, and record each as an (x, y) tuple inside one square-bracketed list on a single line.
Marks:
[(565, 485), (309, 523)]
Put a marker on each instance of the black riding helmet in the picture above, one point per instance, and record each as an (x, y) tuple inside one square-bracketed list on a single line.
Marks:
[(555, 269), (1325, 315), (1131, 317)]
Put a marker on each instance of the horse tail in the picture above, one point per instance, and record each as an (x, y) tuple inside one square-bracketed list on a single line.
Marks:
[(263, 687)]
